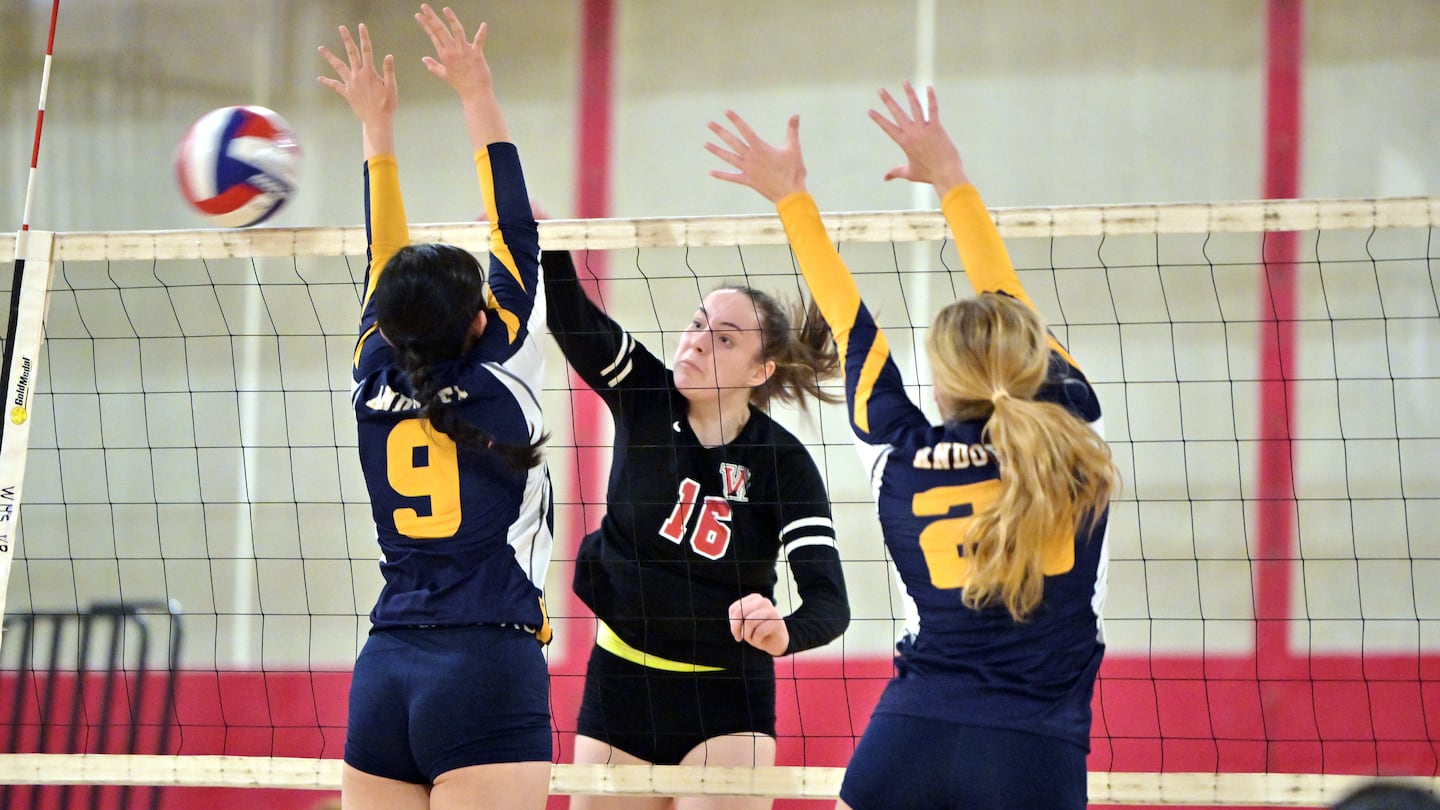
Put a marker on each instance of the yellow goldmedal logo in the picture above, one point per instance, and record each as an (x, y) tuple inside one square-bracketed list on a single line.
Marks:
[(22, 389)]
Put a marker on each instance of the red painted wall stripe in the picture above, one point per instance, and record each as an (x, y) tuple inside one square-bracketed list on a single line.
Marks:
[(596, 103), (1275, 524), (596, 99)]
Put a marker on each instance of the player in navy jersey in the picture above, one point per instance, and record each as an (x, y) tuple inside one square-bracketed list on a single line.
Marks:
[(449, 703), (1384, 794), (706, 492), (995, 519)]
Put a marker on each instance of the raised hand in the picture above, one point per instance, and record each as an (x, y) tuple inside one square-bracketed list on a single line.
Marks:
[(930, 153), (371, 94), (458, 61), (755, 620), (775, 172)]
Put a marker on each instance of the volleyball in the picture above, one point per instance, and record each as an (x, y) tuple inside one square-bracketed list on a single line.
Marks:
[(238, 165)]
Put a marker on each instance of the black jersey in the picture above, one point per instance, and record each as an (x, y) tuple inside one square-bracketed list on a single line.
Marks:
[(954, 663), (689, 529), (466, 539)]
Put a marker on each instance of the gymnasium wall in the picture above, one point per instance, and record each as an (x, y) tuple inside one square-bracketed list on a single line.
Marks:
[(1051, 102)]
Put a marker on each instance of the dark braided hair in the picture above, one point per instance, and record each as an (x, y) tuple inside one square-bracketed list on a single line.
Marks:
[(426, 300), (803, 355)]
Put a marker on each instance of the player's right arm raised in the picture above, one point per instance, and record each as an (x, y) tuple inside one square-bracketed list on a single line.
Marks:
[(931, 157), (514, 242), (874, 389), (373, 96)]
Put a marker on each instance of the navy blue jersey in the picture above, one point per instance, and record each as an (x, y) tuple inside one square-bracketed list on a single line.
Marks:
[(689, 529), (978, 667), (466, 539)]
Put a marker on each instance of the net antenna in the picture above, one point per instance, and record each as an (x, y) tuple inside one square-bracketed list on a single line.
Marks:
[(25, 332)]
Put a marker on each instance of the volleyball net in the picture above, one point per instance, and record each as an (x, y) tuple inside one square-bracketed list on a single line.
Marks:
[(1269, 373)]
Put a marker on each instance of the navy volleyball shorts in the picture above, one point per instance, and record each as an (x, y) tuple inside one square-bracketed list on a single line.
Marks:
[(904, 762), (427, 701)]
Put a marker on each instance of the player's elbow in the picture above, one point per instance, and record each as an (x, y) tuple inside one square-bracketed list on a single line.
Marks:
[(842, 617), (837, 617)]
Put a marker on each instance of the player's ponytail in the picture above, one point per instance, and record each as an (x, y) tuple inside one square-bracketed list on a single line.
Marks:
[(804, 355), (990, 356), (426, 300)]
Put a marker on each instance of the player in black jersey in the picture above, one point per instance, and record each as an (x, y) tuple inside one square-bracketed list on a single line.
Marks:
[(995, 519), (706, 491), (449, 702)]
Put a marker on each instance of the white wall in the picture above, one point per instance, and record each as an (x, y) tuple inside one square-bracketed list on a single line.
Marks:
[(1053, 101)]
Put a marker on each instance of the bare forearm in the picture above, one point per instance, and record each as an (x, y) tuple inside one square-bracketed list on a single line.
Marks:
[(483, 119), (948, 178), (378, 138)]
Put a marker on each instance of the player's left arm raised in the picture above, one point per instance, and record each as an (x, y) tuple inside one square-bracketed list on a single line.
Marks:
[(370, 91), (777, 173), (932, 157), (460, 62)]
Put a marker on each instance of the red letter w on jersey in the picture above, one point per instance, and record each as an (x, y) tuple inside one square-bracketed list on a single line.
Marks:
[(736, 480)]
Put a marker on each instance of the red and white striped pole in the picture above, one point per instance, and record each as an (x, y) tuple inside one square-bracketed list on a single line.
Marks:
[(39, 119), (22, 238), (24, 334)]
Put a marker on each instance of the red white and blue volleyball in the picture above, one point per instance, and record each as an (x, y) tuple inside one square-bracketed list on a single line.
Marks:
[(238, 165)]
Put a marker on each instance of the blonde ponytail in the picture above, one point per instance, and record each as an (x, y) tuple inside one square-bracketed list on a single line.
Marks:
[(990, 357)]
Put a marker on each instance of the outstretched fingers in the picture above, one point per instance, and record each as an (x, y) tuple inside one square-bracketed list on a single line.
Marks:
[(792, 134), (458, 30), (933, 102), (734, 141), (737, 146), (899, 120), (931, 156), (730, 139), (342, 68), (897, 114), (367, 53), (453, 23), (458, 61), (388, 70), (917, 113), (735, 155), (434, 26), (885, 124), (743, 127), (369, 89), (774, 172), (448, 33)]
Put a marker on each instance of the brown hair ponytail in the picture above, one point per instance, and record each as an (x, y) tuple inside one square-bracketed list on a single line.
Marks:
[(803, 355)]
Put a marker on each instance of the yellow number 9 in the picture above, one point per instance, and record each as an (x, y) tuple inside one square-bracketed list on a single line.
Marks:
[(437, 479)]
